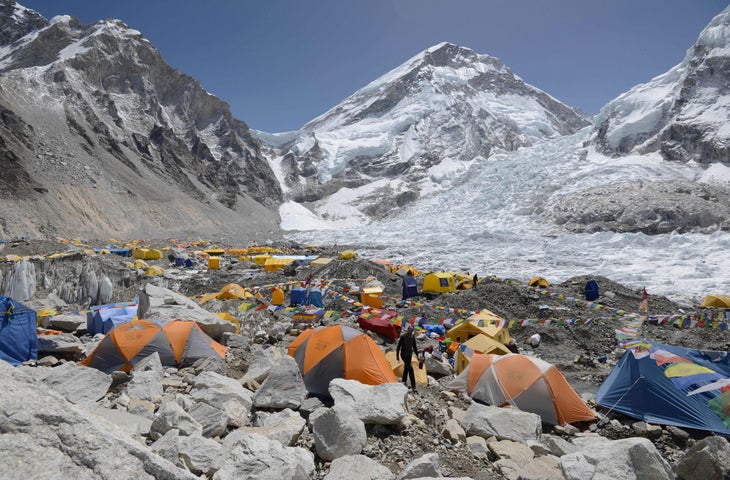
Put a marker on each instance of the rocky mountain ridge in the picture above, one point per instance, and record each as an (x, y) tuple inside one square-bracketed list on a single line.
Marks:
[(102, 137)]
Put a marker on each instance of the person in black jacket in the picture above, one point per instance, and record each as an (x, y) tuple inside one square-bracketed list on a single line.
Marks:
[(405, 349)]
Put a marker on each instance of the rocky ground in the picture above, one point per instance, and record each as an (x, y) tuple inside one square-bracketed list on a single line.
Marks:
[(585, 354)]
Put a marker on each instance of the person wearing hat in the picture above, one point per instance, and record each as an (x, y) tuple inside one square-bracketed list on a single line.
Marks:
[(405, 350)]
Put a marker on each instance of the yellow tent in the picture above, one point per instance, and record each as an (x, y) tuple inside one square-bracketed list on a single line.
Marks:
[(480, 344), (261, 259), (397, 366), (232, 291), (277, 296), (439, 282), (464, 282), (147, 254), (154, 271), (320, 261), (141, 264), (489, 322), (372, 297), (717, 301), (480, 323), (274, 264), (347, 255), (538, 282), (230, 318)]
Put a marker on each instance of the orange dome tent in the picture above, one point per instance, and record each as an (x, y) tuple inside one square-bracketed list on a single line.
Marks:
[(179, 343), (326, 353), (528, 383)]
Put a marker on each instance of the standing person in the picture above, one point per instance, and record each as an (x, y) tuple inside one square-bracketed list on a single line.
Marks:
[(475, 280), (405, 349)]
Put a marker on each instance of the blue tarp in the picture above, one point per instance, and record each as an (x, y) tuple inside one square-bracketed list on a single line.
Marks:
[(18, 338), (103, 318), (591, 290), (298, 296), (315, 297), (653, 382), (410, 287), (124, 252)]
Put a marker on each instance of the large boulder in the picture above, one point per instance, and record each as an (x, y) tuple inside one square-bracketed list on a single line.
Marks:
[(382, 404), (283, 387), (45, 436), (337, 432), (503, 423), (708, 459), (632, 458)]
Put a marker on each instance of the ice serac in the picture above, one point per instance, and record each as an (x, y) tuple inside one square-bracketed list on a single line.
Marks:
[(682, 113), (414, 130), (93, 120)]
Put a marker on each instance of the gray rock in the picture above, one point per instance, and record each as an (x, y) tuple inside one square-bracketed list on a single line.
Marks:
[(145, 385), (503, 423), (65, 322), (424, 466), (708, 459), (77, 384), (337, 432), (213, 420), (167, 446), (283, 387), (61, 345), (374, 404), (44, 436), (264, 359), (223, 393), (632, 458), (285, 427), (358, 467), (172, 416), (199, 454), (255, 457)]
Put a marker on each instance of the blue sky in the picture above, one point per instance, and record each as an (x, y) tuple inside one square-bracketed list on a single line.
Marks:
[(280, 63)]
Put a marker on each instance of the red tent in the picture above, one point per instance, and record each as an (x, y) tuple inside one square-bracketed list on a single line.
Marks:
[(380, 322)]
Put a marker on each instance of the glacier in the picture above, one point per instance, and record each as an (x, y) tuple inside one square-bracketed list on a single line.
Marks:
[(491, 222)]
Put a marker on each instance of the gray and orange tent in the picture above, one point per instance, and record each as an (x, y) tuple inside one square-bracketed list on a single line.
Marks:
[(326, 353), (528, 383), (179, 343)]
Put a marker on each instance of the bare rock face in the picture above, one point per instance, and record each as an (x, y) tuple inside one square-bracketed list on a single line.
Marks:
[(653, 208), (114, 141)]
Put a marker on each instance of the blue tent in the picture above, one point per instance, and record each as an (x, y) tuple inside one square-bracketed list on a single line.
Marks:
[(410, 287), (315, 297), (591, 290), (102, 318), (669, 385), (18, 338), (298, 296)]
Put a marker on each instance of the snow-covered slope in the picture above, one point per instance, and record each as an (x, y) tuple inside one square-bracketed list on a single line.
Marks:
[(415, 130), (683, 113), (102, 137)]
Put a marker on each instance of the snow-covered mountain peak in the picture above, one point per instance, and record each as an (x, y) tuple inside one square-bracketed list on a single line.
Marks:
[(716, 36), (682, 113), (415, 130)]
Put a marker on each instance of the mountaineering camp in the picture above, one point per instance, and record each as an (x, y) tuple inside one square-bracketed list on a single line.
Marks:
[(242, 336)]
